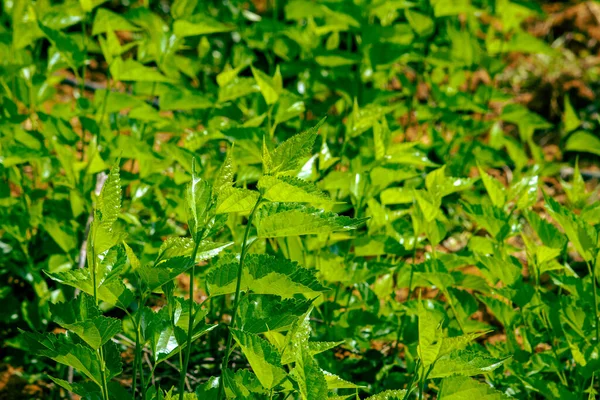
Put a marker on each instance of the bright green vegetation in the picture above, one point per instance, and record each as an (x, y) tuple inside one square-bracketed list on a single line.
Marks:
[(290, 200)]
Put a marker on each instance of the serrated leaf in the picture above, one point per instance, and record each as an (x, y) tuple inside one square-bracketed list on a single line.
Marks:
[(290, 189), (464, 388), (133, 259), (197, 198), (156, 275), (389, 395), (263, 357), (465, 363), (224, 178), (335, 382), (63, 350), (262, 313), (311, 380), (82, 317), (290, 219), (264, 274), (108, 205), (112, 291), (289, 154), (236, 200), (430, 336)]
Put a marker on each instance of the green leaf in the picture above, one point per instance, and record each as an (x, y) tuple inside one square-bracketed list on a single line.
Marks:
[(288, 155), (156, 275), (335, 382), (420, 23), (389, 395), (198, 199), (108, 205), (464, 388), (495, 190), (264, 274), (465, 363), (62, 234), (288, 107), (62, 349), (108, 21), (183, 8), (570, 119), (583, 141), (311, 380), (290, 189), (82, 316), (263, 357), (441, 185), (184, 100), (262, 313), (224, 178), (430, 336), (112, 291), (134, 71), (269, 87), (583, 236), (236, 200), (199, 24), (290, 219), (65, 44)]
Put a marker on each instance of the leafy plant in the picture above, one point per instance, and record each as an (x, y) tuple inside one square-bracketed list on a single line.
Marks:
[(300, 199)]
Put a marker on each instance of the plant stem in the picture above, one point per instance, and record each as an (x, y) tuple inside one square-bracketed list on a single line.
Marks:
[(99, 352), (412, 380), (451, 303), (592, 271), (188, 348), (237, 298)]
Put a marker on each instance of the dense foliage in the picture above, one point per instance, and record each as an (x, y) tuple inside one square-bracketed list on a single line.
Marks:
[(291, 200)]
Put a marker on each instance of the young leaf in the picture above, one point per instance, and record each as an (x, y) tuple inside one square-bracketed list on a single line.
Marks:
[(108, 204), (197, 196), (288, 155)]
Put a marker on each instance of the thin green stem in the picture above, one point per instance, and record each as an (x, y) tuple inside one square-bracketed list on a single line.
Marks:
[(190, 332), (451, 303), (237, 298), (99, 352), (412, 380), (592, 271)]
